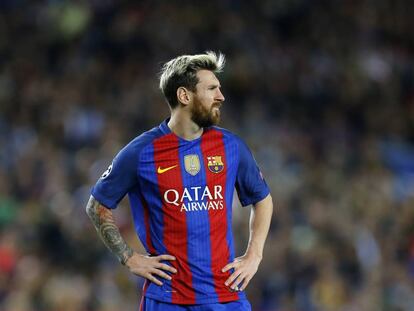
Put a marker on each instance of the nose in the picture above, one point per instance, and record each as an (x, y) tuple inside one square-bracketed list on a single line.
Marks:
[(220, 96)]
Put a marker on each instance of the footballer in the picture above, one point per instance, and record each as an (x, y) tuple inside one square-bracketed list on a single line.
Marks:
[(180, 178)]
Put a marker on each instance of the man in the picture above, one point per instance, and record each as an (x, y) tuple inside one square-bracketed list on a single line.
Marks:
[(180, 178)]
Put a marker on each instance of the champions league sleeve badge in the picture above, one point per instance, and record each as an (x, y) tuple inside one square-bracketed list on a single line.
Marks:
[(107, 172)]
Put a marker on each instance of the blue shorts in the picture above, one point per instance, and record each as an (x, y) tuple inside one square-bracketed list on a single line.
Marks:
[(148, 304)]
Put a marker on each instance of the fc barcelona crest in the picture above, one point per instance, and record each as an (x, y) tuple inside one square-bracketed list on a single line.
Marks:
[(192, 164), (215, 164)]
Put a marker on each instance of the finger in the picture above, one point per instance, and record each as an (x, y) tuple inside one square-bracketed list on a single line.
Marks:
[(163, 266), (237, 281), (245, 283), (153, 279), (232, 277), (165, 257), (228, 267), (161, 274)]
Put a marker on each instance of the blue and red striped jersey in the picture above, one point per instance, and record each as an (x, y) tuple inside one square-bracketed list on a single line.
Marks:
[(181, 195)]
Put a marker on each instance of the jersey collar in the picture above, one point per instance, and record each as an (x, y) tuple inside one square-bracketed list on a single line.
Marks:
[(164, 126), (166, 130)]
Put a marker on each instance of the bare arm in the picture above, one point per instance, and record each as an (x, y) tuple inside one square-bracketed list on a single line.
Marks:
[(245, 267), (103, 220), (142, 265), (260, 218)]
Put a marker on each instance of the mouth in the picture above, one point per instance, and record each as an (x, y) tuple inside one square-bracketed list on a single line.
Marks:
[(217, 106)]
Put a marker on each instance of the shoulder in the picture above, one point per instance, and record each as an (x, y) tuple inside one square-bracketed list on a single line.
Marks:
[(225, 132), (228, 135), (143, 140)]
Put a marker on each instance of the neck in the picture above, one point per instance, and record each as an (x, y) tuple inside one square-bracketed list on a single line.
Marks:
[(181, 125)]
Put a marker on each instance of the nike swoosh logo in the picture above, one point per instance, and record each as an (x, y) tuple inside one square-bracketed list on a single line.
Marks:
[(163, 170)]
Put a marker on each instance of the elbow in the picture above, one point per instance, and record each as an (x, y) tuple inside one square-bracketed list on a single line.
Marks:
[(270, 202), (90, 207), (266, 203)]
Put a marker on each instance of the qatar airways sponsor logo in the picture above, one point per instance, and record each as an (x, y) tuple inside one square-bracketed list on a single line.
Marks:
[(194, 199)]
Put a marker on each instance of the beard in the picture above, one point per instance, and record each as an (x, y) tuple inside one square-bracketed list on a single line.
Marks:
[(204, 117)]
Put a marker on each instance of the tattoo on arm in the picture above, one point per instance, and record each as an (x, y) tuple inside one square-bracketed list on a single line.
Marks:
[(104, 223)]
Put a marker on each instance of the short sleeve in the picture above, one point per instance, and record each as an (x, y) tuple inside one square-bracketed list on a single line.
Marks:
[(250, 184), (118, 179)]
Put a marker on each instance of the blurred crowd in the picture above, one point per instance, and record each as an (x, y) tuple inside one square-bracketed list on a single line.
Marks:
[(322, 91)]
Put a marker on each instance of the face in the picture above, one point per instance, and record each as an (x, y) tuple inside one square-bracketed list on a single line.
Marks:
[(207, 100)]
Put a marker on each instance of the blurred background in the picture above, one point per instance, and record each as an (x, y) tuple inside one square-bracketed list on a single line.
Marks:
[(322, 92)]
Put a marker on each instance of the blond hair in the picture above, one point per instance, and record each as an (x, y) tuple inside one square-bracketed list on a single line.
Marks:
[(181, 72)]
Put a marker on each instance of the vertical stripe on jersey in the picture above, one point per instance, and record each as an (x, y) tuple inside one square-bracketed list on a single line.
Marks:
[(140, 213), (148, 240), (212, 144), (232, 156), (199, 248), (166, 154), (231, 152), (152, 220)]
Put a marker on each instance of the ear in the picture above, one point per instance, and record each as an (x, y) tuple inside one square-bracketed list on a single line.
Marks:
[(184, 96)]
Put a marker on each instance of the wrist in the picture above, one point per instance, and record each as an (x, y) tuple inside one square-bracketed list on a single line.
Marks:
[(124, 257), (254, 255)]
